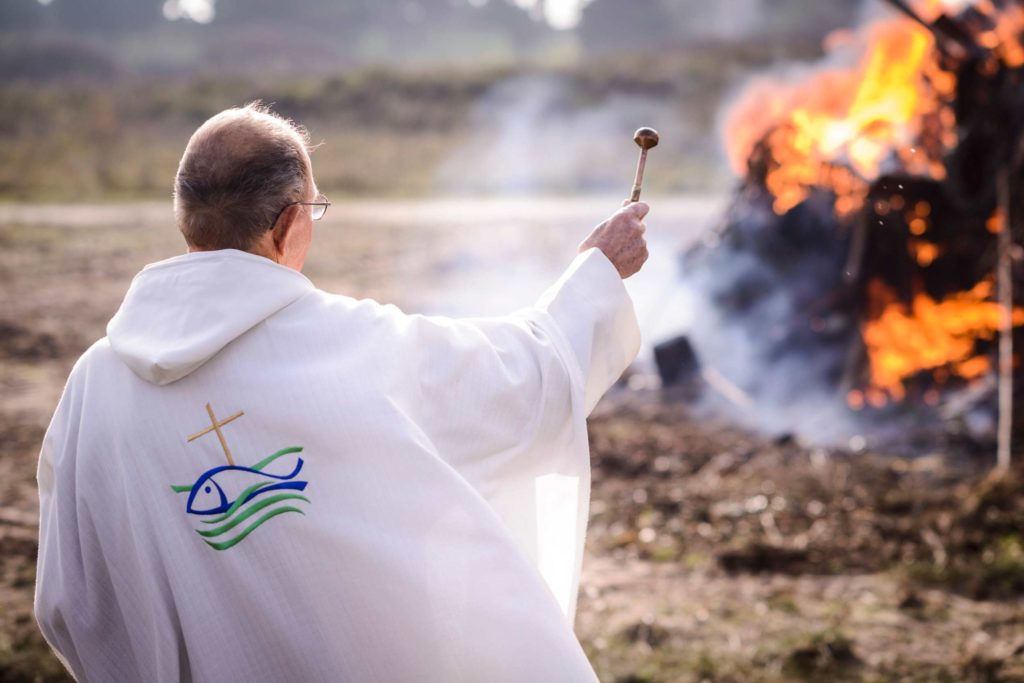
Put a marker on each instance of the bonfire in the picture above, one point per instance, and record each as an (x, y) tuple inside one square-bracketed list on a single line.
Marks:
[(868, 252)]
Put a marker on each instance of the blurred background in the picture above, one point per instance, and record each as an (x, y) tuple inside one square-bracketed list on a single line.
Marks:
[(412, 98), (798, 478)]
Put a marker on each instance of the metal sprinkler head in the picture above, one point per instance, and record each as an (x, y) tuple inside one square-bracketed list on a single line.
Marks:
[(646, 138)]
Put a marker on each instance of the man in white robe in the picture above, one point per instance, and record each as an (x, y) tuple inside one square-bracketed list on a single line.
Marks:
[(250, 479)]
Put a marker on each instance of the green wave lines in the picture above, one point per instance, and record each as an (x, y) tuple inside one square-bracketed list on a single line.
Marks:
[(274, 456), (224, 545), (237, 504), (249, 512)]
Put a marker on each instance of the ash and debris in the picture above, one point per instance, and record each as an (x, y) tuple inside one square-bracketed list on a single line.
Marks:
[(720, 555), (672, 487)]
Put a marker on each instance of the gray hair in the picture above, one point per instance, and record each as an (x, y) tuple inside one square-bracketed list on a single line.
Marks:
[(239, 170)]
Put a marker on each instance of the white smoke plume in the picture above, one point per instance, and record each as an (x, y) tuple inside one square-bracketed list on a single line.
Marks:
[(530, 134), (559, 14), (199, 11)]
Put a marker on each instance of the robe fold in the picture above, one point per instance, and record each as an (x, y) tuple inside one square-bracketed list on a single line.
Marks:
[(250, 479)]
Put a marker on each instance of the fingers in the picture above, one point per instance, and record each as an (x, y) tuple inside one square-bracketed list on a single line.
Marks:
[(639, 209), (621, 238)]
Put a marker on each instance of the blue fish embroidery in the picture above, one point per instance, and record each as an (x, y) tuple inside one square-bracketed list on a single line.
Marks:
[(200, 501), (207, 499)]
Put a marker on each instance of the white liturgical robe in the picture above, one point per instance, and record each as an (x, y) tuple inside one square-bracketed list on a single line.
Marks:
[(250, 479)]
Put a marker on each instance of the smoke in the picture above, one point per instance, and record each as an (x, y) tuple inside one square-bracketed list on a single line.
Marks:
[(539, 134), (199, 11), (752, 309), (785, 392), (559, 14)]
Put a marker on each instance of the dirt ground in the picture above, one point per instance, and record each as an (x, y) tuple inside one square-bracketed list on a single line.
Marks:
[(720, 556), (713, 554)]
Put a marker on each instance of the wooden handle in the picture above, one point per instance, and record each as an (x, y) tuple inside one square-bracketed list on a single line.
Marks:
[(638, 181)]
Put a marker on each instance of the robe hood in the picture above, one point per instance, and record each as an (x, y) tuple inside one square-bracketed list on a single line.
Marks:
[(179, 313)]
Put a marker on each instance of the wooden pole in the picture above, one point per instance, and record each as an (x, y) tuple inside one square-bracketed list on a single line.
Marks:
[(1004, 282)]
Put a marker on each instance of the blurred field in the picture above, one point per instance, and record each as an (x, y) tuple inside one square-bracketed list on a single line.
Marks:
[(713, 554), (388, 132)]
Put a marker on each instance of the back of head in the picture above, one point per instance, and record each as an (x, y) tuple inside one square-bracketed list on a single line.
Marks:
[(239, 170)]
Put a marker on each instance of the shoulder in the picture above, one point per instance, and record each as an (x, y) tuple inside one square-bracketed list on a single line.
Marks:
[(326, 306), (370, 317), (97, 361), (98, 354)]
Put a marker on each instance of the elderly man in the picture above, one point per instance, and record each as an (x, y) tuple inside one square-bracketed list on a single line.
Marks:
[(250, 479)]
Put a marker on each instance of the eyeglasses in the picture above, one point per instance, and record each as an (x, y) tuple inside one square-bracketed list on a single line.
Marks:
[(316, 213)]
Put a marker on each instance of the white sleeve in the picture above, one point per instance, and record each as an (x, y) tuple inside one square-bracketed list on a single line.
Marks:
[(589, 303), (505, 401)]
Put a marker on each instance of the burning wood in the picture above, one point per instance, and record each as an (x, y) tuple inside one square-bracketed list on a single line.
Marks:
[(861, 245), (949, 34), (842, 129)]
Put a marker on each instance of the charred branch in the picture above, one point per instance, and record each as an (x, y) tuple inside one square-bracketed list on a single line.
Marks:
[(949, 33)]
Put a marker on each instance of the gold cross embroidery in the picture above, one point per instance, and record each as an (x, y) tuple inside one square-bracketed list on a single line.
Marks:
[(216, 428)]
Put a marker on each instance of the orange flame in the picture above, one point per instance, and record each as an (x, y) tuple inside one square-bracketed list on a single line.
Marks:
[(1004, 40), (841, 127), (931, 335)]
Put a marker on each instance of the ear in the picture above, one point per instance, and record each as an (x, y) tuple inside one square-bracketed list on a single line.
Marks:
[(283, 228)]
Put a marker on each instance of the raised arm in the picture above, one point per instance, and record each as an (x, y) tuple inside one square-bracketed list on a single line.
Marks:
[(497, 393)]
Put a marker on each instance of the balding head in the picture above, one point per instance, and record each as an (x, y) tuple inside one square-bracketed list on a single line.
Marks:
[(239, 170)]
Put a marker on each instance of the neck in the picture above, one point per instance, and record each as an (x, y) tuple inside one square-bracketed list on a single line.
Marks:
[(256, 250)]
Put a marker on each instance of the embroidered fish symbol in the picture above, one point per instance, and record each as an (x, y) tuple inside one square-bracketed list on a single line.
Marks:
[(207, 497)]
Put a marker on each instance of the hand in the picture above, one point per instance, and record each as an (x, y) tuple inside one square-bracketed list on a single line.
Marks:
[(621, 238)]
